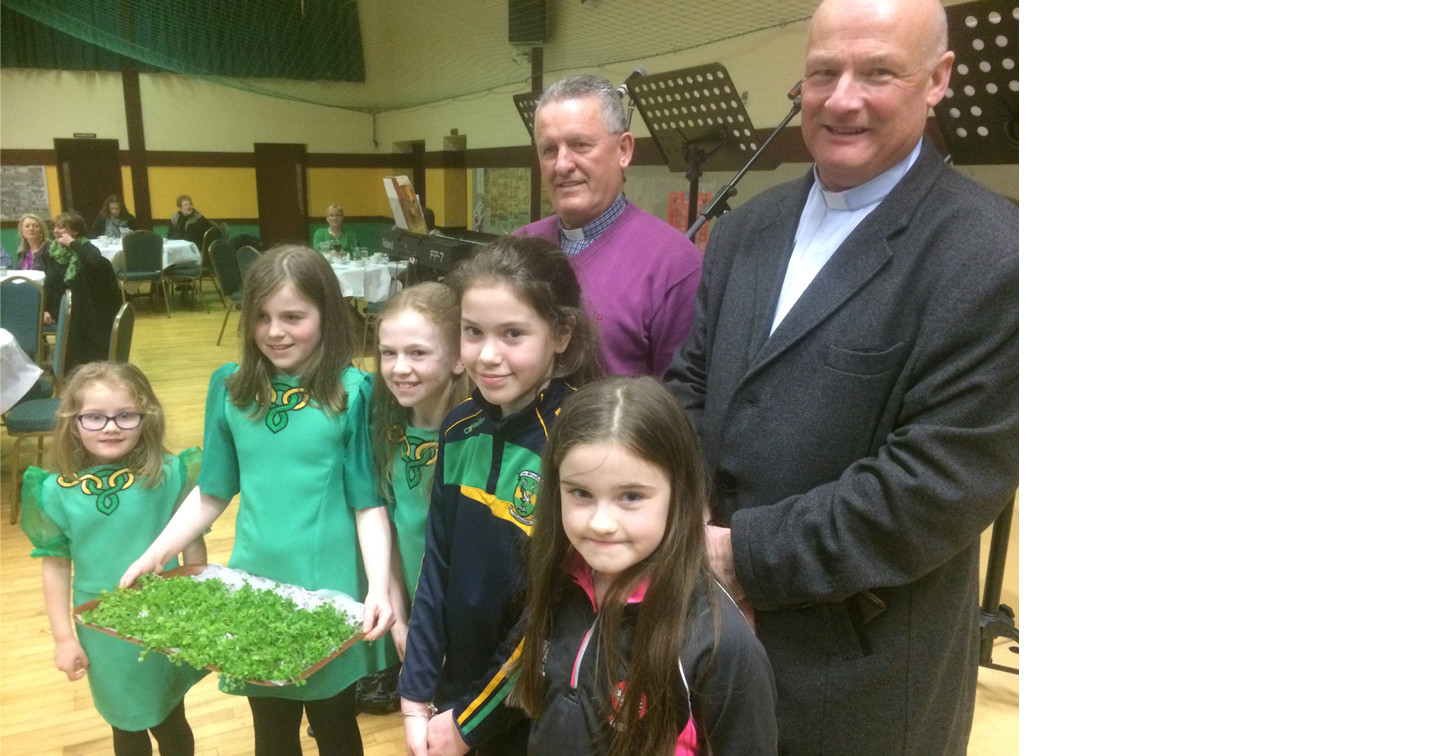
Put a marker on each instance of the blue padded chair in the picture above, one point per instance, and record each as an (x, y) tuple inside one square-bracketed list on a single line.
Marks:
[(122, 334), (144, 262), (226, 270), (246, 256), (22, 313), (35, 418), (190, 277)]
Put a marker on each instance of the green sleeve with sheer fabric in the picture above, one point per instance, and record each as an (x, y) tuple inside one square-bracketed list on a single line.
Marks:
[(38, 520)]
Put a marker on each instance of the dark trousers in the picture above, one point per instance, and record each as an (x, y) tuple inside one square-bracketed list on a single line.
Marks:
[(173, 735), (277, 725)]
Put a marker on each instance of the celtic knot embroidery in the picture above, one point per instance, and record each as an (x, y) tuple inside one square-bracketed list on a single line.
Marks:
[(418, 454), (293, 399), (106, 490)]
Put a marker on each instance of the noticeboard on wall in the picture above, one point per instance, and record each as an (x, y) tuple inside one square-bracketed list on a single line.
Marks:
[(23, 189)]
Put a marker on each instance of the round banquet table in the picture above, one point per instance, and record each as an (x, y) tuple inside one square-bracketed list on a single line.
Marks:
[(177, 251), (371, 279)]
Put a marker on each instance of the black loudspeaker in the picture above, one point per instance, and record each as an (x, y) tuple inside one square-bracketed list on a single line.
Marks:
[(527, 22)]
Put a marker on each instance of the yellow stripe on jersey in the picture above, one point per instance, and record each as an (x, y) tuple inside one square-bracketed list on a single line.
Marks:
[(494, 681), (498, 507)]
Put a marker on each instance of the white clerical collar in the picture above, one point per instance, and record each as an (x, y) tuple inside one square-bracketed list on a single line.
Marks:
[(597, 226), (871, 191)]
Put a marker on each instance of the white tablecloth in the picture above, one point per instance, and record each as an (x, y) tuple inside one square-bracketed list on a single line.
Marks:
[(38, 276), (17, 372), (177, 251), (372, 281)]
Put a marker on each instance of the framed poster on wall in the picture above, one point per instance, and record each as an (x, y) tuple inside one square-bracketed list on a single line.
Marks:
[(502, 200), (23, 189)]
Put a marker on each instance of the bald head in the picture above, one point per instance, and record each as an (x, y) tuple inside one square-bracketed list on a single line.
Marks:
[(873, 69), (928, 14)]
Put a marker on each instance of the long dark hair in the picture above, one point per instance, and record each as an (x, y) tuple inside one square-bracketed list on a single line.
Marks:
[(640, 415), (437, 304), (322, 375), (105, 206), (539, 274)]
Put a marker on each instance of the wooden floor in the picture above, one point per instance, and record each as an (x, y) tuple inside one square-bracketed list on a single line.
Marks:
[(43, 713)]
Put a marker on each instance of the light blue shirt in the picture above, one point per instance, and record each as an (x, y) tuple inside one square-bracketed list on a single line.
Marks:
[(826, 221)]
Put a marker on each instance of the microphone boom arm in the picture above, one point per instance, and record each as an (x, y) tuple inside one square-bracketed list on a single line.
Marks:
[(720, 204)]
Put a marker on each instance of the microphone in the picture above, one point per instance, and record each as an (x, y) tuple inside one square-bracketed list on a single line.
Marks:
[(624, 89), (794, 93)]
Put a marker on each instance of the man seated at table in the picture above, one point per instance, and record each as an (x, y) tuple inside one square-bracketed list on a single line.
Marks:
[(187, 223), (638, 274)]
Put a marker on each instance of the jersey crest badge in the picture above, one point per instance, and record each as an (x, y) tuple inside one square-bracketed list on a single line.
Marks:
[(527, 487), (617, 698)]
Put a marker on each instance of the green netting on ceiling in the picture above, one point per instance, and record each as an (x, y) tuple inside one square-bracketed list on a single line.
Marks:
[(282, 39), (379, 55)]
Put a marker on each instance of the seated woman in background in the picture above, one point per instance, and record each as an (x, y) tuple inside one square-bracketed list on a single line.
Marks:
[(334, 236), (187, 223), (34, 243), (114, 219), (75, 265)]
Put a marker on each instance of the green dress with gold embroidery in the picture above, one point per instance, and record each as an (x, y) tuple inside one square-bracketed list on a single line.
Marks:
[(411, 475), (301, 473), (102, 519)]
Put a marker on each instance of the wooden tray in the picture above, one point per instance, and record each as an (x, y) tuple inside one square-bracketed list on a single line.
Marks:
[(191, 570)]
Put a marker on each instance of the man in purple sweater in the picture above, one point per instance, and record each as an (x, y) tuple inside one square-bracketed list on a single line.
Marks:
[(637, 273)]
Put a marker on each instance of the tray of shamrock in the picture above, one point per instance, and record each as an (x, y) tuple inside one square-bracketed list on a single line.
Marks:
[(237, 624)]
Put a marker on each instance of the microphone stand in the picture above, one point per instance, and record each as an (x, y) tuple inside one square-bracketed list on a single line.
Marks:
[(637, 74), (720, 204)]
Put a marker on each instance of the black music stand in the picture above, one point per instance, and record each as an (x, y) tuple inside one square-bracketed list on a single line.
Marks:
[(696, 118), (979, 116), (979, 119), (526, 103), (720, 203), (997, 620)]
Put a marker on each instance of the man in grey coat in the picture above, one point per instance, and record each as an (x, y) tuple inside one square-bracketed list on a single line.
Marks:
[(853, 374)]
